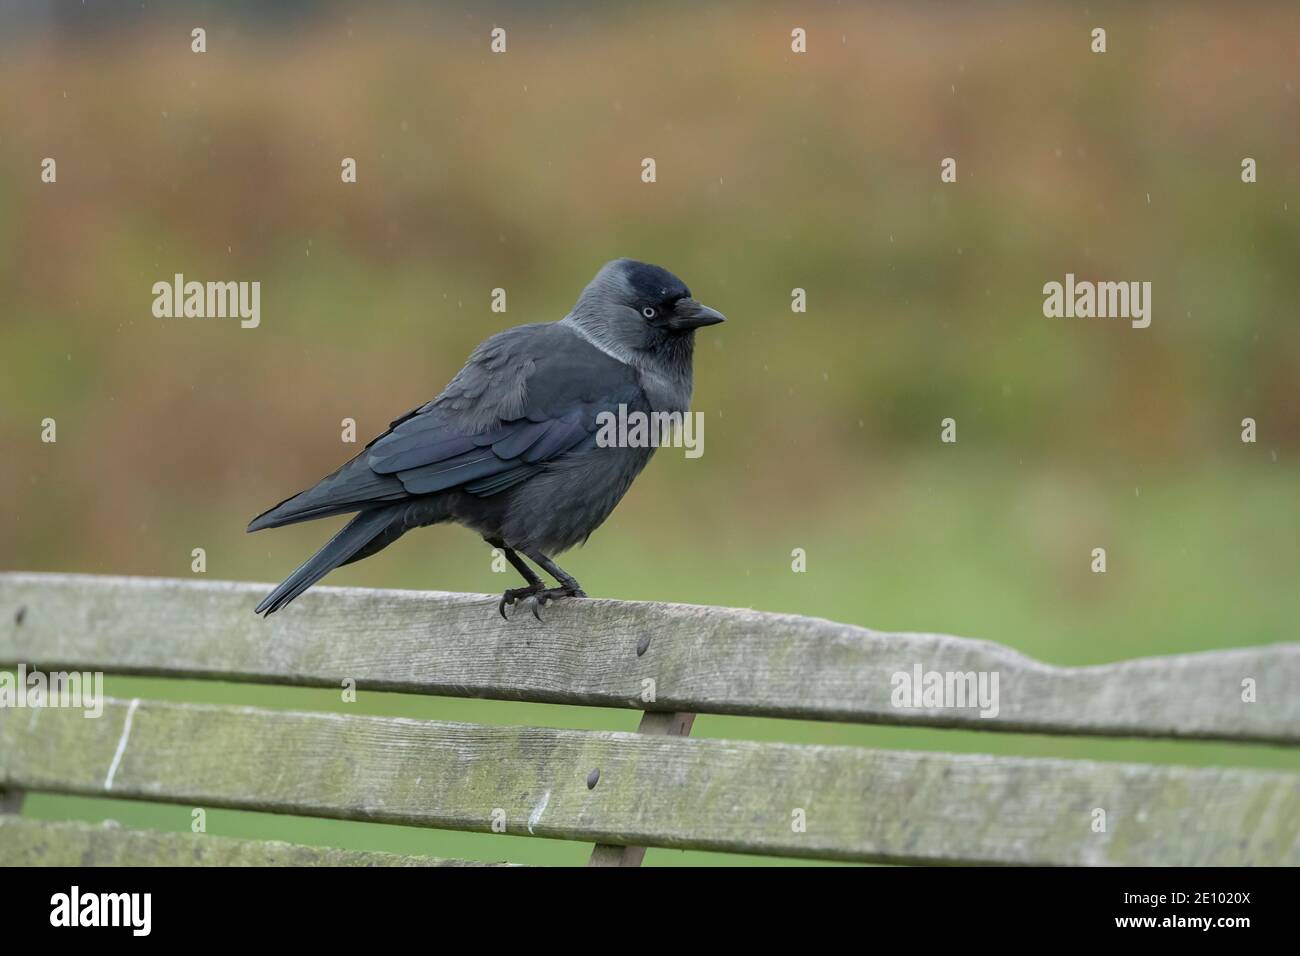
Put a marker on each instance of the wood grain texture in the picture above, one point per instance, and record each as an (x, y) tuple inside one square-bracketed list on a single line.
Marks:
[(25, 842), (702, 659), (737, 796), (652, 722)]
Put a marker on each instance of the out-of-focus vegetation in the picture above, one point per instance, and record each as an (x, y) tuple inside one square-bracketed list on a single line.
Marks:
[(775, 171)]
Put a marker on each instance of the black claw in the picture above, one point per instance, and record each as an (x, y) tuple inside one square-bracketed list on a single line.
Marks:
[(511, 595), (536, 597)]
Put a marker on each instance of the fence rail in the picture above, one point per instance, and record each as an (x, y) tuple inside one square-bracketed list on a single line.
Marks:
[(638, 789), (597, 652), (25, 842)]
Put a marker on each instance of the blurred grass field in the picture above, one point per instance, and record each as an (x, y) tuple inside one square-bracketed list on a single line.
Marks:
[(775, 171)]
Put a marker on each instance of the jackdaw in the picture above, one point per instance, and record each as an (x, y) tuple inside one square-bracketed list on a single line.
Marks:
[(509, 448)]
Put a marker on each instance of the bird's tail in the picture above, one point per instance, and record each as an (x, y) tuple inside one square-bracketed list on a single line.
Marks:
[(374, 527)]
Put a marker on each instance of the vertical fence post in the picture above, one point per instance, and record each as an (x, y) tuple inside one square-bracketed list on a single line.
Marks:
[(11, 801), (663, 723)]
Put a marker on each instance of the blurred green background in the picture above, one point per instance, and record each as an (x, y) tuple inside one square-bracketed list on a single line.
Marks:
[(775, 171)]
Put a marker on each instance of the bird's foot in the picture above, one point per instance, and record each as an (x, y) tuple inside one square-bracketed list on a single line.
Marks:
[(535, 597), (511, 595)]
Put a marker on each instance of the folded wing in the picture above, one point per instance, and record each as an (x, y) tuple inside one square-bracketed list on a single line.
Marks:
[(525, 398)]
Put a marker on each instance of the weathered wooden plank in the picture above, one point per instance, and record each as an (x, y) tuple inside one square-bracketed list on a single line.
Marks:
[(652, 722), (740, 796), (26, 842), (702, 659)]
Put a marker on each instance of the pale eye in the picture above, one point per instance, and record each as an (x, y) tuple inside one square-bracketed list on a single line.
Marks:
[(649, 312)]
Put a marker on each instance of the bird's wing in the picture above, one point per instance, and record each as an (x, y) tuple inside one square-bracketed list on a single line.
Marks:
[(525, 397)]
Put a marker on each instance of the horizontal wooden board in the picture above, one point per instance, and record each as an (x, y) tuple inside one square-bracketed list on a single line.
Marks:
[(646, 790), (26, 842), (701, 659)]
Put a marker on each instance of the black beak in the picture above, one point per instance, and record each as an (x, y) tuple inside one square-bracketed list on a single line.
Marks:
[(690, 314)]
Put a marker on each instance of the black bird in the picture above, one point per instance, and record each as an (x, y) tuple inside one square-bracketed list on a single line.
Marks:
[(509, 449)]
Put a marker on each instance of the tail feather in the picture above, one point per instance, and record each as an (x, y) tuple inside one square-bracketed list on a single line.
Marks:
[(340, 549), (285, 514), (353, 487)]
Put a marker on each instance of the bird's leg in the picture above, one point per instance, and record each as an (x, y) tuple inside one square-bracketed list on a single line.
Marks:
[(569, 586), (511, 595)]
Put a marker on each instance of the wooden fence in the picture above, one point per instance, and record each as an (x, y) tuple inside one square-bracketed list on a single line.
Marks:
[(623, 791)]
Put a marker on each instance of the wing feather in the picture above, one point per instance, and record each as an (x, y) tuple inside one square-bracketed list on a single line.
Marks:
[(525, 397)]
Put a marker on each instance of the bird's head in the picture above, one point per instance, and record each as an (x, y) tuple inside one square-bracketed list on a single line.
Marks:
[(633, 308)]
